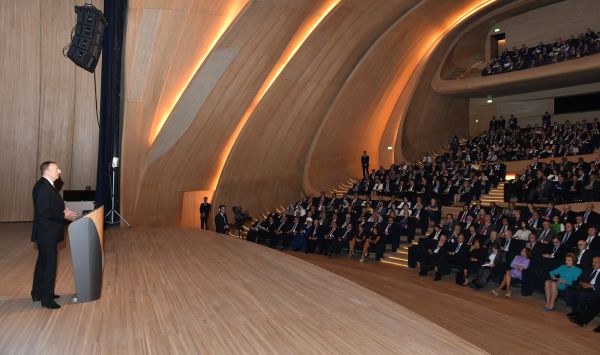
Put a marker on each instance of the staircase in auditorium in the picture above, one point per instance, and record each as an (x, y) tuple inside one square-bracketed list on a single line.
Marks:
[(494, 195)]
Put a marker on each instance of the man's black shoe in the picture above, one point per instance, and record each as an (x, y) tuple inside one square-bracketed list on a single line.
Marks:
[(35, 299), (50, 304)]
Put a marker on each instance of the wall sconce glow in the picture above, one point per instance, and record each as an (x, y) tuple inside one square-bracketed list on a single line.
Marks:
[(497, 29), (296, 42), (390, 147), (489, 101), (476, 121)]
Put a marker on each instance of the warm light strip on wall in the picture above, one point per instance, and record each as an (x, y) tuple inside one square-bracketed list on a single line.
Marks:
[(436, 38), (296, 42), (230, 14)]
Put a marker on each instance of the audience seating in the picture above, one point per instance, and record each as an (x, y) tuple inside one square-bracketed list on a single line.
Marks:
[(585, 44)]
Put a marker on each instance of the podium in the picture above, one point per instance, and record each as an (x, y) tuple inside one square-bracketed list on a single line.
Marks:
[(86, 237)]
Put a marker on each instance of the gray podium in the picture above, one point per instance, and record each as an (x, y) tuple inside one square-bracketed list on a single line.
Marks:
[(86, 240)]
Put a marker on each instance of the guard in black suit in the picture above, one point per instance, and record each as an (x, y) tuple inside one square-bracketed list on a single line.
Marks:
[(364, 162), (48, 231), (221, 223), (204, 213)]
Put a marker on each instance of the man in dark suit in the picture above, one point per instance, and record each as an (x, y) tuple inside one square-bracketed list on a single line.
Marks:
[(48, 230), (204, 213), (584, 291), (364, 162), (221, 223), (584, 256), (436, 255), (589, 216), (550, 211)]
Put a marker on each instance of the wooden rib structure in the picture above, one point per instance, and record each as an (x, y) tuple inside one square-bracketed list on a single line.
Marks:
[(169, 290)]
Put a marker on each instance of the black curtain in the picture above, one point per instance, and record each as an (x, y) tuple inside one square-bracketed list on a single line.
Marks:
[(109, 142)]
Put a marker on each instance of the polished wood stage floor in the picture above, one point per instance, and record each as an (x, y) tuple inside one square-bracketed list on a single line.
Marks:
[(169, 290)]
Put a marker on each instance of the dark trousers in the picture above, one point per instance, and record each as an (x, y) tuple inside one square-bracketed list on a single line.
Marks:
[(395, 241), (311, 245), (44, 275), (325, 246), (579, 299), (379, 249), (204, 222), (365, 170)]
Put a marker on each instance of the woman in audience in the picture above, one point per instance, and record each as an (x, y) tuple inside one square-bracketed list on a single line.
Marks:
[(556, 225), (560, 278), (376, 241), (493, 239), (519, 263), (359, 239), (523, 232), (476, 256), (495, 258)]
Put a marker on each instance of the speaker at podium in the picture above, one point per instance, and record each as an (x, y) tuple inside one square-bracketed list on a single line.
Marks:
[(86, 238)]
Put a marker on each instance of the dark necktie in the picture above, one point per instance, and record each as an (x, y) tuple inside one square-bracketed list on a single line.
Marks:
[(566, 237)]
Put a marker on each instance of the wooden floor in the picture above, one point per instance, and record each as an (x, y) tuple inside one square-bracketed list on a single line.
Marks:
[(178, 291), (497, 325)]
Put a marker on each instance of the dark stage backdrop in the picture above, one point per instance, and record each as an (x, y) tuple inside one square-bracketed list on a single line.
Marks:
[(109, 142)]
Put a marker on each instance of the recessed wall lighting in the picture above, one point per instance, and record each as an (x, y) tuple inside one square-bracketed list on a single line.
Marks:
[(390, 147)]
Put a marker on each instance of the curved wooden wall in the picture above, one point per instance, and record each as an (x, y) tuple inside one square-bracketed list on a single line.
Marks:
[(254, 129), (367, 100), (283, 126), (47, 103)]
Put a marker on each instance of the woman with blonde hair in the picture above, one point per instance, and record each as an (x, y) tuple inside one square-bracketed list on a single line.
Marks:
[(560, 278)]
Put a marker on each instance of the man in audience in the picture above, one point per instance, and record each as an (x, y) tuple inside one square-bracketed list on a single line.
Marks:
[(221, 223), (584, 292)]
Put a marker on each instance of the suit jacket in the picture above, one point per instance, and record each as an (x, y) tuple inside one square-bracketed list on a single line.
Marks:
[(49, 216), (548, 213), (204, 209), (559, 254), (571, 242), (586, 259), (461, 256), (593, 218), (595, 244), (546, 236), (220, 222), (586, 276)]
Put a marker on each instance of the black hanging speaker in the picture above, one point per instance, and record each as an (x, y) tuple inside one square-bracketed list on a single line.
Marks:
[(86, 38)]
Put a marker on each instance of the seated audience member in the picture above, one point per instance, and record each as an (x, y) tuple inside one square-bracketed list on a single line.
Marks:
[(458, 255), (560, 278), (391, 234), (358, 240), (510, 246), (472, 235), (584, 292), (554, 252), (557, 226), (547, 234), (592, 240), (518, 264), (376, 242), (325, 247), (490, 266), (344, 239), (476, 257), (523, 232), (568, 238), (299, 239), (417, 253), (433, 256), (584, 255)]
